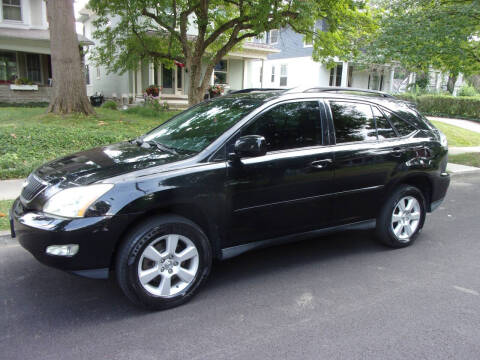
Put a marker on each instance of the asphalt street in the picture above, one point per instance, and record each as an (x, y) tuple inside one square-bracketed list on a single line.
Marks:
[(338, 297)]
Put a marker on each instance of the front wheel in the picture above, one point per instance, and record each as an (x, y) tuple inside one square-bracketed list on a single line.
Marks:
[(163, 262), (402, 217)]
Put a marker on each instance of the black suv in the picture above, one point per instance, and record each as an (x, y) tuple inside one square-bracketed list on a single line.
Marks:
[(230, 175)]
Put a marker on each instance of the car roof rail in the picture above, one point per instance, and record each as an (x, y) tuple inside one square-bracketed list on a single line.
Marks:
[(245, 91), (341, 89)]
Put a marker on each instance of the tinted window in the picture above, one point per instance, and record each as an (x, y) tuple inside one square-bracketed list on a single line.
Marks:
[(384, 129), (288, 126), (353, 122), (402, 126)]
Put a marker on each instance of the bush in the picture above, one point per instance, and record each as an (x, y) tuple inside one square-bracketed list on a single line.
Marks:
[(467, 90), (446, 105), (110, 104), (151, 108)]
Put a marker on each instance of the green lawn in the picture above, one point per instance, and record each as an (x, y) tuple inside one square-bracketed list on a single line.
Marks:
[(4, 207), (469, 159), (457, 136), (29, 137)]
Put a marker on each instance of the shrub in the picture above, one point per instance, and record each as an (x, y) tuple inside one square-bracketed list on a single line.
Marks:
[(110, 104), (446, 105), (467, 90)]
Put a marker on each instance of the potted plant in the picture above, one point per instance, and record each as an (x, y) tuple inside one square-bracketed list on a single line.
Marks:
[(153, 90), (23, 84), (215, 90)]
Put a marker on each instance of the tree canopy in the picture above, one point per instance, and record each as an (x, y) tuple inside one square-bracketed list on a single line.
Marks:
[(444, 34), (197, 32)]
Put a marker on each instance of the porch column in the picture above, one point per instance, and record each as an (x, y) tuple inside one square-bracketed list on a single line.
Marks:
[(392, 73), (138, 79), (150, 74), (245, 74), (344, 82)]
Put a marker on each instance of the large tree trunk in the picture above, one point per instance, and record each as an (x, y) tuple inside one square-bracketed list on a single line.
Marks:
[(199, 81), (69, 90), (452, 79)]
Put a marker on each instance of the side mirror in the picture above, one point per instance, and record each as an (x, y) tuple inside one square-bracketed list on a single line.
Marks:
[(250, 146)]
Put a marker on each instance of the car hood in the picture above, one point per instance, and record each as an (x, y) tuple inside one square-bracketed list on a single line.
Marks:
[(101, 163)]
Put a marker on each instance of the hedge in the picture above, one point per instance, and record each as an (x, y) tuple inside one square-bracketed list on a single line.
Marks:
[(467, 107)]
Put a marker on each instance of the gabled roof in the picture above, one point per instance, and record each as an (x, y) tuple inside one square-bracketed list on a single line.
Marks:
[(35, 34)]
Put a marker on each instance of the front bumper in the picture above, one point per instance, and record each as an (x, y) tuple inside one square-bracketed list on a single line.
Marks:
[(97, 238)]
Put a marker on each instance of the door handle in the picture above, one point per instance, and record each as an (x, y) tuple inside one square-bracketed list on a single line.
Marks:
[(321, 164)]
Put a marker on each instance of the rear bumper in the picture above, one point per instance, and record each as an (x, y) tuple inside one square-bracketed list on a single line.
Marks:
[(96, 236), (439, 191)]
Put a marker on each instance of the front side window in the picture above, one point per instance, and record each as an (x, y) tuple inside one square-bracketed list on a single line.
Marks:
[(403, 127), (288, 126), (12, 10), (353, 122), (195, 129), (384, 129), (283, 75), (220, 72)]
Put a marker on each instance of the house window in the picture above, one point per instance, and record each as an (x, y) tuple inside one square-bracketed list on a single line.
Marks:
[(87, 74), (336, 75), (220, 72), (98, 72), (283, 75), (8, 67), (273, 36), (12, 10), (34, 73), (260, 38), (273, 74)]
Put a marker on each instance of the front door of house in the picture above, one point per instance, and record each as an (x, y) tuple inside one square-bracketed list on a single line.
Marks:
[(167, 81)]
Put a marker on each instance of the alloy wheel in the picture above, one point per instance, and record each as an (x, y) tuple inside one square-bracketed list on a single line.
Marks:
[(168, 265), (406, 218)]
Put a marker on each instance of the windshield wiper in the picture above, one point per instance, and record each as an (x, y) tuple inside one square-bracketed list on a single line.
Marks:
[(164, 147)]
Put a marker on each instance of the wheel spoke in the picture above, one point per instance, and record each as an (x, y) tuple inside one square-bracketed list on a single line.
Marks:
[(401, 205), (165, 285), (188, 253), (396, 218), (185, 275), (398, 229), (148, 275), (415, 216), (408, 229), (152, 253), (172, 241)]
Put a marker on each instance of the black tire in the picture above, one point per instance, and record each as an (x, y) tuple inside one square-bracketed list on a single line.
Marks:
[(143, 235), (384, 230)]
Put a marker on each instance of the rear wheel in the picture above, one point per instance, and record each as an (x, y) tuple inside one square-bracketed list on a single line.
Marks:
[(163, 262), (402, 217)]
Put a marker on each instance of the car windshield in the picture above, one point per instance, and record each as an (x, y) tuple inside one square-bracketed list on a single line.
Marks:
[(195, 129)]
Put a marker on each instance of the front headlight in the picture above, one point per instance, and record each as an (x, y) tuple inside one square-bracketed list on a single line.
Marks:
[(74, 202)]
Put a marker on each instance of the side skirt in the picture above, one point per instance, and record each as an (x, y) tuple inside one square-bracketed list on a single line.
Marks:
[(240, 249)]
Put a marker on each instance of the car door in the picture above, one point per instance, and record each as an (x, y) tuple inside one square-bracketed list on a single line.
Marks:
[(285, 191), (362, 163)]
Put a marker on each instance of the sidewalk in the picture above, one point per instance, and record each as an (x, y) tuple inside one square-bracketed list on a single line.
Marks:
[(10, 189), (465, 124)]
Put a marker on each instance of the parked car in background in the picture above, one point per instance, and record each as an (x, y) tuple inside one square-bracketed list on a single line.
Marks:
[(229, 175)]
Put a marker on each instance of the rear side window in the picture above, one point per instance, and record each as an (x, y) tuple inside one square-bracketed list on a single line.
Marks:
[(403, 127), (384, 129), (353, 122), (288, 126)]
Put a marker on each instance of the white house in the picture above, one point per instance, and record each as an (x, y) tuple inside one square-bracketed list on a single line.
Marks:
[(25, 51), (233, 72)]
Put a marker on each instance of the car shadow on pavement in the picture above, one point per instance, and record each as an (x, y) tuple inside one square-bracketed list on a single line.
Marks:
[(43, 294)]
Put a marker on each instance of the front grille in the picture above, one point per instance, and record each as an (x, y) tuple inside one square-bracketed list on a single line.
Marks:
[(33, 187)]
